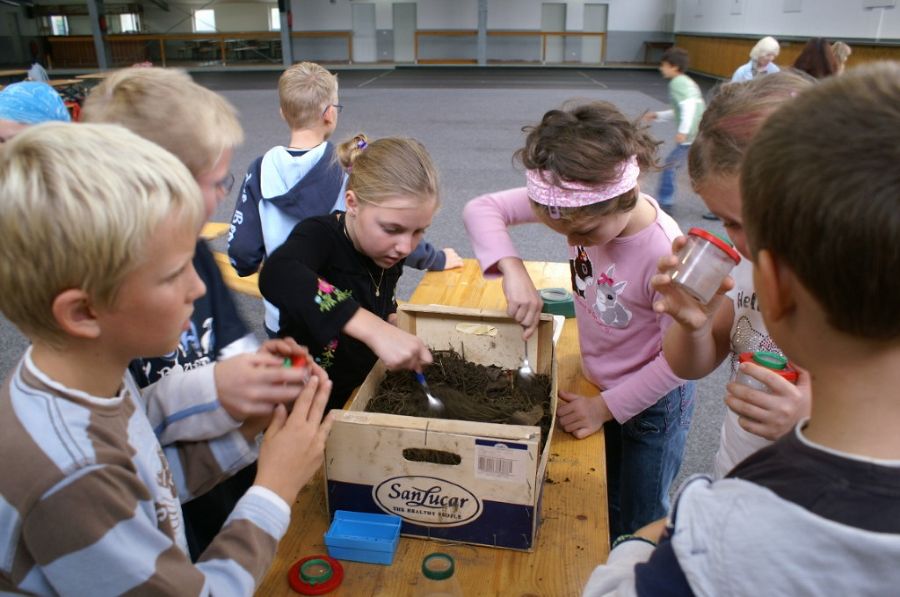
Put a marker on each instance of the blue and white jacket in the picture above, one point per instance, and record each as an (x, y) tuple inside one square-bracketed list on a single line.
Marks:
[(280, 190)]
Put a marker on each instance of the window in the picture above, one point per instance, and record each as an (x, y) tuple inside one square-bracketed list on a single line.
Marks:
[(59, 25), (274, 19), (130, 23), (205, 21)]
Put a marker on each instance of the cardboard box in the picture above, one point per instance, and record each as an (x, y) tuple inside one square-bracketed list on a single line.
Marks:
[(491, 495)]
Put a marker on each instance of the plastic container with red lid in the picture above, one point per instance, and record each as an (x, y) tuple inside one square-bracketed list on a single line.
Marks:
[(703, 263), (772, 361)]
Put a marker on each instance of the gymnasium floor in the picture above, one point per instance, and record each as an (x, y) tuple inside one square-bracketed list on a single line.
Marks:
[(470, 119)]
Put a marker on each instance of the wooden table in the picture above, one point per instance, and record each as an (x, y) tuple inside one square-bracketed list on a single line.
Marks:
[(97, 75), (12, 73), (574, 535), (63, 83)]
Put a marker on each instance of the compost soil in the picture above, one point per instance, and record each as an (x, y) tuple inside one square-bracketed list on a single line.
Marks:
[(470, 392)]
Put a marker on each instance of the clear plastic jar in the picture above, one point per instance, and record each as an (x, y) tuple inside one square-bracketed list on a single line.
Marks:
[(703, 263), (772, 361), (438, 577)]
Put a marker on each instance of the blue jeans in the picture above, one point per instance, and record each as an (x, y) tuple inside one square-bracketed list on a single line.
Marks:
[(642, 458), (674, 161)]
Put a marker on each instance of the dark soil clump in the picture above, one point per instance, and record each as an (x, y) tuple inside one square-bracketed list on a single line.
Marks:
[(469, 392)]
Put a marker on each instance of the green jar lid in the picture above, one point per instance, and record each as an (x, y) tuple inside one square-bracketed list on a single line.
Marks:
[(438, 566), (557, 301), (315, 572), (770, 360)]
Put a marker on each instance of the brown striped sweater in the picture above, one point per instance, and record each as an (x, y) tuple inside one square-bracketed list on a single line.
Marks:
[(89, 500)]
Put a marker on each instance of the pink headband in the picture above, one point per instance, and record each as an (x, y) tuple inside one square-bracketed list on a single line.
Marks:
[(575, 194)]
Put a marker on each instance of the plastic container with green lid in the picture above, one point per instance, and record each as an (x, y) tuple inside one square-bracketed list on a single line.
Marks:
[(703, 263), (438, 577), (772, 361)]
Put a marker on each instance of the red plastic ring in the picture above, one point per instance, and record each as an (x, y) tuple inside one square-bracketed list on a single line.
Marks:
[(300, 586)]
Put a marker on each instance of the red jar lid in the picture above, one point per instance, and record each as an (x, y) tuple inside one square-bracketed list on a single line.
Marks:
[(717, 241), (772, 361), (297, 360), (315, 575)]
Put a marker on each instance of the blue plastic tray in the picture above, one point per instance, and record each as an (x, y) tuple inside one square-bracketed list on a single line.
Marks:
[(363, 537)]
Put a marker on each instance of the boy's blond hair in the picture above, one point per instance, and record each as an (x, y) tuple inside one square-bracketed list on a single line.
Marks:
[(79, 203), (305, 91), (167, 107)]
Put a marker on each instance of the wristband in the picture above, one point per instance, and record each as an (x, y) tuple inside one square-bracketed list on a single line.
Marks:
[(629, 537)]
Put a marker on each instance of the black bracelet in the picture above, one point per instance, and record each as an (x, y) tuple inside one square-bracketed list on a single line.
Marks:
[(624, 538)]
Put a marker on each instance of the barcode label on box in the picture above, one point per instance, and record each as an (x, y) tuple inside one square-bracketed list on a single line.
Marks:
[(495, 466), (499, 460)]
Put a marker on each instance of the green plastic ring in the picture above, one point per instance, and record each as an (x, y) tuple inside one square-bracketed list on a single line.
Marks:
[(558, 301)]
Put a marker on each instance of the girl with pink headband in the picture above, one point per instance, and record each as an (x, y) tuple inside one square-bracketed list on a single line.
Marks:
[(582, 166)]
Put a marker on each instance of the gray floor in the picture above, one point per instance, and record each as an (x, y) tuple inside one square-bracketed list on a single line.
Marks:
[(470, 119)]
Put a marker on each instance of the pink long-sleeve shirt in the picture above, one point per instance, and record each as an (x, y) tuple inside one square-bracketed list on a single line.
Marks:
[(620, 334)]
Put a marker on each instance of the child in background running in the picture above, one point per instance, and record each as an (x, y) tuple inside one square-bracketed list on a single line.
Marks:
[(582, 169), (333, 279), (687, 109)]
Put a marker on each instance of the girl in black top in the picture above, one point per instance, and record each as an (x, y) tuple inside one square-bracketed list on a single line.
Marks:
[(333, 279)]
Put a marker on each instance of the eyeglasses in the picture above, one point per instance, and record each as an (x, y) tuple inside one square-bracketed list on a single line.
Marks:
[(337, 107), (226, 184)]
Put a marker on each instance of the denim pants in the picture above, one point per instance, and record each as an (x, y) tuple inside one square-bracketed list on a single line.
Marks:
[(674, 161), (642, 458)]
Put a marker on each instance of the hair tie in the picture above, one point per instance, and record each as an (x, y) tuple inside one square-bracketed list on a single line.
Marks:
[(572, 194), (361, 144)]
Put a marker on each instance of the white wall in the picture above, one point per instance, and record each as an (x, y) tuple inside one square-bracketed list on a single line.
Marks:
[(839, 19), (245, 16), (624, 15), (25, 26), (322, 15)]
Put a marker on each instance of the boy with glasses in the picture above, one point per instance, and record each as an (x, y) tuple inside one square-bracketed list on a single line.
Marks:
[(300, 180), (218, 363)]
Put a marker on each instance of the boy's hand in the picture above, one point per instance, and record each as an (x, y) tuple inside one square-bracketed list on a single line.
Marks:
[(452, 260), (649, 116), (399, 349), (294, 445), (680, 138), (682, 307), (288, 348), (250, 385), (582, 415), (523, 303), (769, 415)]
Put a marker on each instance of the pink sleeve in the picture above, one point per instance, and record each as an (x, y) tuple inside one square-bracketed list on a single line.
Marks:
[(487, 218), (643, 388)]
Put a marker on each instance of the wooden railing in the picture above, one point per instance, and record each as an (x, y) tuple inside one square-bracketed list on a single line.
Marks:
[(544, 35), (75, 51), (719, 56)]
